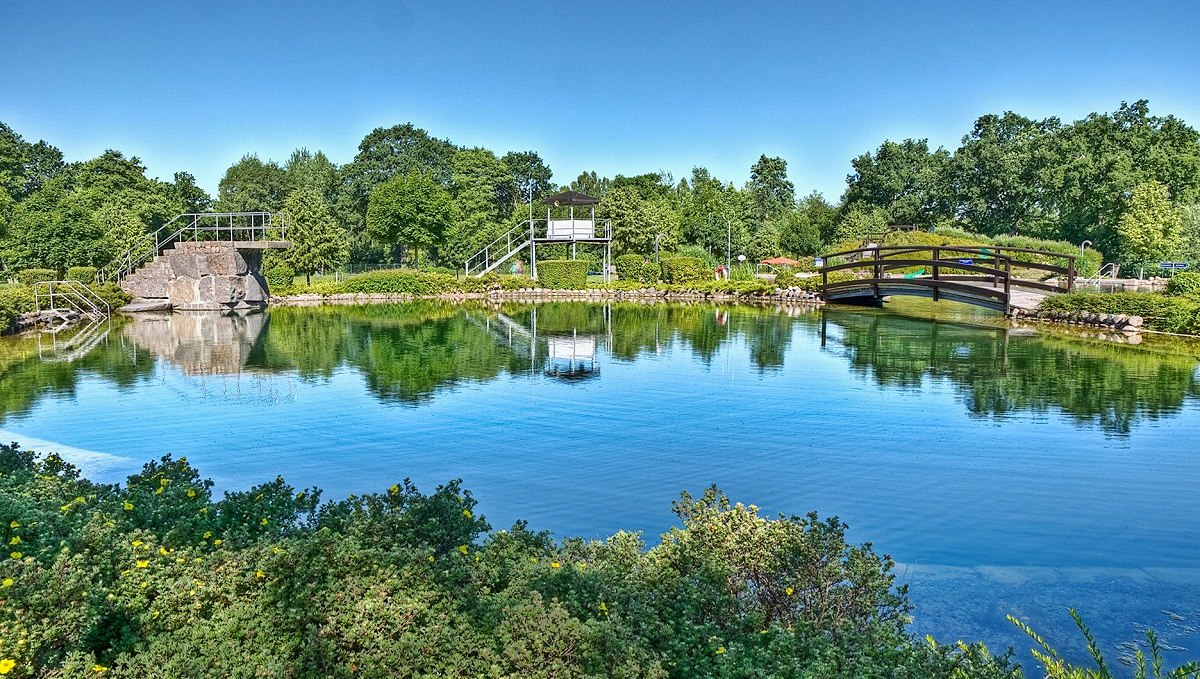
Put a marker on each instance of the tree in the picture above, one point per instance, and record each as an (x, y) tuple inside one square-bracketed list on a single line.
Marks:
[(530, 174), (482, 187), (771, 192), (412, 210), (1150, 227), (318, 243), (859, 222), (251, 185), (190, 197), (305, 169), (591, 184), (637, 221), (798, 235), (905, 179)]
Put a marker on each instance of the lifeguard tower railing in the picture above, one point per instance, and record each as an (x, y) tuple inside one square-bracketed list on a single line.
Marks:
[(533, 232)]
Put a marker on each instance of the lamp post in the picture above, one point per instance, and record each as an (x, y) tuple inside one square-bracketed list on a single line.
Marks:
[(728, 241)]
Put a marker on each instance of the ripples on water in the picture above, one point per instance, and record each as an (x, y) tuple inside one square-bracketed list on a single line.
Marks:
[(1007, 471)]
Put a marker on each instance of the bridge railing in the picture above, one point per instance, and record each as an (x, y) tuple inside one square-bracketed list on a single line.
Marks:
[(942, 262), (986, 260)]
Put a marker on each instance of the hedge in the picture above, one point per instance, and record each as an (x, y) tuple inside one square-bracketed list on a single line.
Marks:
[(1161, 312), (684, 270), (1184, 283), (280, 277), (14, 301), (651, 272), (629, 267), (563, 274), (31, 276), (83, 274)]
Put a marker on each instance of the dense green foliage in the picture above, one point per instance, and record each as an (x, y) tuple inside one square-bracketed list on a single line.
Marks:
[(83, 274), (1161, 312), (681, 270), (31, 276), (280, 278), (1128, 181), (1184, 283), (158, 578), (629, 267), (563, 274)]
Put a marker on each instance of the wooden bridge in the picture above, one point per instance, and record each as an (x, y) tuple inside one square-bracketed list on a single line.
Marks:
[(994, 277)]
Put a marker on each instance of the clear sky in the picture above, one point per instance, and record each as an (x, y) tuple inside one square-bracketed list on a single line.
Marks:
[(618, 87)]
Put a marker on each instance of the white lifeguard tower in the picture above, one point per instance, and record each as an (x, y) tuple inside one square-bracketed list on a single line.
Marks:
[(560, 227)]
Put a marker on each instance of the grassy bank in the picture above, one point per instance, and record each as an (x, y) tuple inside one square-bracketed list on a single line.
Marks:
[(18, 299), (158, 578), (1177, 310)]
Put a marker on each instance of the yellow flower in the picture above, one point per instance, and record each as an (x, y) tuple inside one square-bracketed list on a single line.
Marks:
[(14, 524), (162, 551), (207, 534), (264, 521), (159, 491), (16, 555), (276, 550), (99, 669), (16, 540), (467, 513), (603, 607), (300, 495), (462, 549), (8, 582), (155, 614), (65, 508), (217, 542), (191, 492), (720, 650), (260, 574), (393, 489), (143, 564), (145, 584), (790, 591), (7, 665), (533, 559), (128, 506), (136, 543), (164, 482), (431, 559), (555, 564)]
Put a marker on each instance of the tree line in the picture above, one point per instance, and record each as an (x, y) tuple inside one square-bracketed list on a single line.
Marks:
[(1128, 181)]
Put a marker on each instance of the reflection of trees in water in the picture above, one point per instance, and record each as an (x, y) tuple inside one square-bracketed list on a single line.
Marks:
[(25, 377), (408, 352), (1109, 384)]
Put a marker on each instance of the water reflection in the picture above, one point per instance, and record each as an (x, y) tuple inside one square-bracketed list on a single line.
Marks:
[(997, 371), (408, 353)]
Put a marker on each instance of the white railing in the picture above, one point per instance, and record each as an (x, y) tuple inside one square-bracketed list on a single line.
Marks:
[(74, 295), (551, 231), (214, 226)]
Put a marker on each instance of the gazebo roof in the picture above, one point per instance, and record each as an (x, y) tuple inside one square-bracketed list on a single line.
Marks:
[(570, 198)]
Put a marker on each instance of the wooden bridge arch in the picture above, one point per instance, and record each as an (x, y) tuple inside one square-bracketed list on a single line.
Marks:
[(982, 275)]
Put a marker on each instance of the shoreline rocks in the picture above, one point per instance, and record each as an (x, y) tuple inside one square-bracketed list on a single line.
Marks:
[(1087, 318), (790, 295)]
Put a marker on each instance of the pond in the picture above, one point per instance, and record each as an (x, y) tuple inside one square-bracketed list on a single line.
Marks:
[(1007, 470)]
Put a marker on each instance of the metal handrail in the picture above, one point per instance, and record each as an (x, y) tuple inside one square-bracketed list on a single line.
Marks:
[(496, 252), (80, 297), (152, 244)]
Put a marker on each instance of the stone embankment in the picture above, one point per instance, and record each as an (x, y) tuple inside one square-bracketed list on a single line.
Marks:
[(1088, 318), (199, 276)]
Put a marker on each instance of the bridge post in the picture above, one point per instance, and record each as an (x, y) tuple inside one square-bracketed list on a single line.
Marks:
[(936, 273), (1007, 285), (877, 271), (1070, 272)]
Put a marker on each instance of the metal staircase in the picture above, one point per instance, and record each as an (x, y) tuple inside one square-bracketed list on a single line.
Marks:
[(208, 226), (500, 250), (66, 297)]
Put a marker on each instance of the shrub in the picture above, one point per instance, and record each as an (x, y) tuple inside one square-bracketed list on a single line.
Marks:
[(710, 262), (83, 274), (742, 272), (1161, 312), (785, 279), (684, 270), (400, 282), (112, 294), (280, 277), (31, 276), (563, 274), (651, 272), (14, 301), (1184, 283), (629, 267)]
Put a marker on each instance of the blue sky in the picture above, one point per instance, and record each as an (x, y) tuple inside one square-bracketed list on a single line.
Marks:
[(618, 87)]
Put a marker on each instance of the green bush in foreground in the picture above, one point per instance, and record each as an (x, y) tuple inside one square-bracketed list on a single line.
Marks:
[(83, 274), (280, 278), (629, 267), (563, 274), (31, 276), (1184, 283), (685, 270), (157, 578)]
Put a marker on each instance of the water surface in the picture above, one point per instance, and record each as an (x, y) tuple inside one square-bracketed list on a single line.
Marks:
[(1007, 470)]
